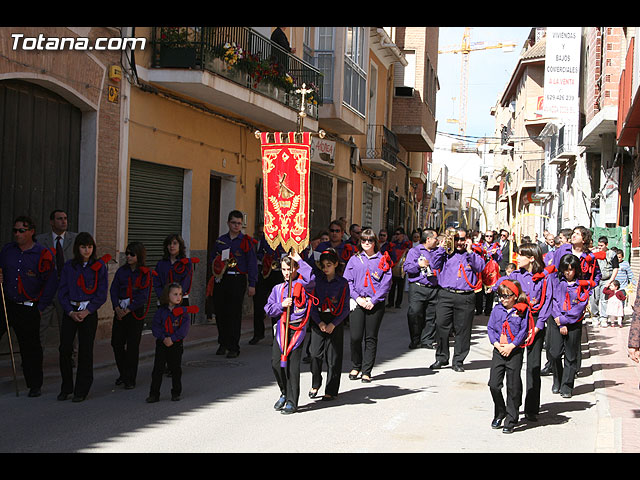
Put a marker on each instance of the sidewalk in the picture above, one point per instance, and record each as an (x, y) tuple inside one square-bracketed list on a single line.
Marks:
[(616, 380)]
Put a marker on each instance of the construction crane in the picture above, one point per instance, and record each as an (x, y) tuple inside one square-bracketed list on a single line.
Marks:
[(465, 48)]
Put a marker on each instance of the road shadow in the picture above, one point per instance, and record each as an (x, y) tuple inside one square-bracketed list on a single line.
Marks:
[(366, 395), (553, 413)]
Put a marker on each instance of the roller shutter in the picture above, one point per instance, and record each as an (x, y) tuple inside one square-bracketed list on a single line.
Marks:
[(155, 209)]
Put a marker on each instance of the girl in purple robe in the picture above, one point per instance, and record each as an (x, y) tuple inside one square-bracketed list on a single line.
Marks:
[(286, 351)]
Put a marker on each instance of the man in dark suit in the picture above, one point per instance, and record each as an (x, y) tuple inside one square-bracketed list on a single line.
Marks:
[(62, 240), (504, 243)]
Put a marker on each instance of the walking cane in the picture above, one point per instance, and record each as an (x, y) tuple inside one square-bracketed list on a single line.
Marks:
[(6, 319)]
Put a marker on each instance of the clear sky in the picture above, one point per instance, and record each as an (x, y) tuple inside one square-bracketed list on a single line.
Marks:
[(489, 71)]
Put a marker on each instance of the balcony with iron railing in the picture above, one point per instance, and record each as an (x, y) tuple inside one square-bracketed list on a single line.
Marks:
[(382, 149), (239, 55)]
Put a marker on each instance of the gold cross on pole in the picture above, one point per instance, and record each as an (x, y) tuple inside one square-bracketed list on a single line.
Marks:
[(302, 91)]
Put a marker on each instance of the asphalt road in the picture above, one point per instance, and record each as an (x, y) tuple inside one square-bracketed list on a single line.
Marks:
[(227, 406)]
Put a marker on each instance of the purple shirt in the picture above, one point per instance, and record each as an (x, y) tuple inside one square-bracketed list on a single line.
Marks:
[(413, 270), (333, 297), (25, 277), (569, 301), (536, 291), (344, 250), (181, 271), (166, 323), (69, 290), (274, 308), (125, 284), (247, 261), (518, 324), (566, 249), (461, 271), (367, 277)]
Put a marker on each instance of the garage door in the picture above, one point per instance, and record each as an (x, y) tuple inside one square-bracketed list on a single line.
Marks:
[(155, 209), (39, 156)]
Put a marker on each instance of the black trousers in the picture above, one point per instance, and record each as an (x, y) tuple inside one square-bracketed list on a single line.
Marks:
[(454, 311), (25, 322), (329, 347), (484, 302), (396, 292), (171, 357), (364, 326), (263, 290), (509, 367), (288, 377), (228, 297), (421, 315), (564, 372), (86, 333), (125, 342), (534, 365)]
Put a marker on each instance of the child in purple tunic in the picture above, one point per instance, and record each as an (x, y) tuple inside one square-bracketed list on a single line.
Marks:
[(285, 358), (327, 327), (508, 329)]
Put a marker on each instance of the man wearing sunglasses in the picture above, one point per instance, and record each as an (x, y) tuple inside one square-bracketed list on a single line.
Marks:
[(344, 249), (29, 281), (456, 301)]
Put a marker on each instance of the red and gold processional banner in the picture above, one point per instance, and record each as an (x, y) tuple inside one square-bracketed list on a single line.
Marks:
[(286, 171)]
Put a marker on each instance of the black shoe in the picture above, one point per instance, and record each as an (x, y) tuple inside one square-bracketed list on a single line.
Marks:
[(280, 403), (119, 381), (232, 354), (288, 409), (565, 394), (313, 393), (221, 350), (531, 417), (63, 396), (175, 397), (546, 371), (79, 398), (255, 340), (458, 368), (555, 389), (152, 399), (365, 379), (129, 386), (430, 346), (34, 392), (497, 422), (507, 430), (438, 364), (354, 376)]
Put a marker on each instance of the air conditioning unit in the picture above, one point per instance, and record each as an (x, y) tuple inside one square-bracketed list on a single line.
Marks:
[(404, 92)]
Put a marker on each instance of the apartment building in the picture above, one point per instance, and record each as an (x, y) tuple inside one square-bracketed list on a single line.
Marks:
[(628, 133)]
